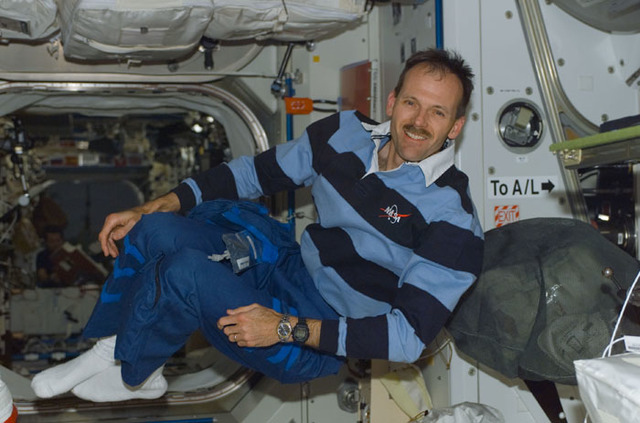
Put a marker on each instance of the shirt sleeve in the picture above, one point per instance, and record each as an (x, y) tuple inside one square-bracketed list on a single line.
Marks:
[(284, 167), (400, 335), (370, 338)]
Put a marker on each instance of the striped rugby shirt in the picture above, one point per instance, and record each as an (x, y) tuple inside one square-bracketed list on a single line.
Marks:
[(391, 252)]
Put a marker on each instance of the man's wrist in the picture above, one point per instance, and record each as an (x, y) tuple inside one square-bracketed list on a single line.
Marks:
[(314, 327), (166, 203), (300, 332)]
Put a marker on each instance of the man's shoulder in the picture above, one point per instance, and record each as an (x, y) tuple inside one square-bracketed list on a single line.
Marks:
[(453, 177), (338, 125), (458, 182)]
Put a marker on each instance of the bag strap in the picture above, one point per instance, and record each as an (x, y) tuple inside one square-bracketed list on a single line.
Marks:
[(546, 393)]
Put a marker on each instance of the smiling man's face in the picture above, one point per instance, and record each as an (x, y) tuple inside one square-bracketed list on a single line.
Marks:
[(423, 115)]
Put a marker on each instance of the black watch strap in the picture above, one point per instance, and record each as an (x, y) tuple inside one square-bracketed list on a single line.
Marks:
[(300, 332)]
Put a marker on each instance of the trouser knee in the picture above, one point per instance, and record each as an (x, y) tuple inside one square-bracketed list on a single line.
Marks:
[(190, 277)]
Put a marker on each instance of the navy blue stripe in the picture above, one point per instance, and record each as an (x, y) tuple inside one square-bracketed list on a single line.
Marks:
[(337, 252), (453, 247), (270, 175), (185, 196), (415, 304), (319, 134), (324, 155), (460, 182), (217, 182), (368, 338), (329, 336)]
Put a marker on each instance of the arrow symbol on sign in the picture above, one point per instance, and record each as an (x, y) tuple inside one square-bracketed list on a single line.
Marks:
[(548, 186)]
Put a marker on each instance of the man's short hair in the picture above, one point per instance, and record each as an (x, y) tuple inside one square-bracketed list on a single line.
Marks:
[(443, 61)]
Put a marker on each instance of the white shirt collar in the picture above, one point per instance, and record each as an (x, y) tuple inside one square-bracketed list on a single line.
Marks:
[(432, 167)]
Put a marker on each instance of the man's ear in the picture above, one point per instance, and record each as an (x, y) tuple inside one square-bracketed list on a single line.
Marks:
[(457, 128), (391, 100)]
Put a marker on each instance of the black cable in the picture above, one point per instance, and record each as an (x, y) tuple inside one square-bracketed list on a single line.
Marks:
[(324, 101), (318, 109)]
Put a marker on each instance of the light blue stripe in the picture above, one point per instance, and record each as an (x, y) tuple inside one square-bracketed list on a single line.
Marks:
[(295, 353), (284, 351), (402, 343), (342, 337), (277, 305), (106, 298), (131, 249), (118, 272)]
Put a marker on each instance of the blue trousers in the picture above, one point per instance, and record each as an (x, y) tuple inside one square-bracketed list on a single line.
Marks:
[(164, 287)]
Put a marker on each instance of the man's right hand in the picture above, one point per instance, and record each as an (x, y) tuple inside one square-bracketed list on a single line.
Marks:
[(117, 225)]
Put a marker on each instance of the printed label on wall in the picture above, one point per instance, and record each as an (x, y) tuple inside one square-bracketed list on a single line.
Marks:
[(521, 186), (503, 215)]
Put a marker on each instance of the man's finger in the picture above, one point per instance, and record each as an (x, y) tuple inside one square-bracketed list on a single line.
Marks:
[(225, 321), (242, 309)]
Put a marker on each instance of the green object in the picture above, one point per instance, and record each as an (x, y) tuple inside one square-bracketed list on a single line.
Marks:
[(597, 139)]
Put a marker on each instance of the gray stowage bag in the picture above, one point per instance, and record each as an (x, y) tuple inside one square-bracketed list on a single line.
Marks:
[(542, 300)]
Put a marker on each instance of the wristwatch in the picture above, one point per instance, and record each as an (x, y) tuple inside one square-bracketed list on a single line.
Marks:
[(284, 328), (301, 331)]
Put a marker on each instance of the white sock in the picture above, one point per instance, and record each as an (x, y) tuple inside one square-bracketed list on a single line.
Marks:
[(64, 377), (109, 386), (6, 402)]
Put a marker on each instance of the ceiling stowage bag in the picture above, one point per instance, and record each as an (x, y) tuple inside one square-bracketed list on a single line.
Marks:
[(141, 30), (544, 299), (246, 19), (313, 19), (27, 20), (283, 20)]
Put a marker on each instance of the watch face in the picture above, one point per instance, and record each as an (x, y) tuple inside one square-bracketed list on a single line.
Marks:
[(301, 332), (284, 330)]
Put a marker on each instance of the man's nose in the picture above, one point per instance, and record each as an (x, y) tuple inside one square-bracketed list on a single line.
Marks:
[(420, 120)]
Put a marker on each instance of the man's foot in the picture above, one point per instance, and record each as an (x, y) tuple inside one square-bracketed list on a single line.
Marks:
[(64, 377), (13, 417), (108, 386), (8, 411)]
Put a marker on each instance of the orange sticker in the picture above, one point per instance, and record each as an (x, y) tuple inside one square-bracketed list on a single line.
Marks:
[(298, 105), (503, 215)]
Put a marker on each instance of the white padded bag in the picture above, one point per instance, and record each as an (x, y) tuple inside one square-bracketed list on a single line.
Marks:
[(283, 20), (317, 19), (133, 29), (28, 19), (610, 388)]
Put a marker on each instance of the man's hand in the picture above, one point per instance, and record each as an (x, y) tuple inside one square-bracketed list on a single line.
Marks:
[(251, 326), (255, 326), (117, 225)]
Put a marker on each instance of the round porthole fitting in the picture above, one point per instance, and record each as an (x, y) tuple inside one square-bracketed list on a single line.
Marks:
[(520, 125)]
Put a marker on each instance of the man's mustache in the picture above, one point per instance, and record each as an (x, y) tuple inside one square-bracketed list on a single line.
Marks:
[(423, 133)]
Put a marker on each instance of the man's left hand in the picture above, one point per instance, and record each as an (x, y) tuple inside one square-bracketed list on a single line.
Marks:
[(251, 326)]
